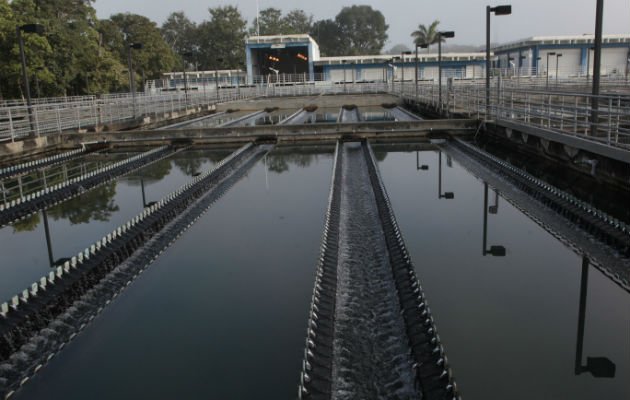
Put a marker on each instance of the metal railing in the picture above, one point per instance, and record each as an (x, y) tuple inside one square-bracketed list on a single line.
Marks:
[(604, 119), (565, 107), (90, 112)]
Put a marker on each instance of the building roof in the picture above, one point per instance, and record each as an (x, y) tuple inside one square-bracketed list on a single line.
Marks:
[(562, 40), (272, 39), (380, 58)]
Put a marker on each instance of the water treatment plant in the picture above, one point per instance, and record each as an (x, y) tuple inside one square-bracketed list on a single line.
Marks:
[(387, 234)]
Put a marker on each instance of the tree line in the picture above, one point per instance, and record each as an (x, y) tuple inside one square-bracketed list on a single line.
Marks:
[(80, 54)]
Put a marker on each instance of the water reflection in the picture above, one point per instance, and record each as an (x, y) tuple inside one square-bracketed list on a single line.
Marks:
[(599, 367), (419, 167), (94, 205), (279, 162), (449, 163), (494, 250)]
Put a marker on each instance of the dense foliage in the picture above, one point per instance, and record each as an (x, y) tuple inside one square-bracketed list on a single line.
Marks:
[(79, 54)]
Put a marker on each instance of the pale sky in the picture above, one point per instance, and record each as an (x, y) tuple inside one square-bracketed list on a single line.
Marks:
[(465, 17)]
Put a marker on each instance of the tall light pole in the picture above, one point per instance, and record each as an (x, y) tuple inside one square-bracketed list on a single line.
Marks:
[(551, 53), (186, 55), (344, 75), (422, 46), (518, 71), (216, 75), (28, 28), (498, 10), (441, 35), (132, 82), (597, 63), (557, 59), (402, 58)]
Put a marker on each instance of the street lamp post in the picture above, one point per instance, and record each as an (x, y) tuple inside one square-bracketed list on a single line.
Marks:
[(184, 56), (557, 59), (216, 75), (498, 10), (551, 53), (344, 75), (518, 71), (422, 46), (28, 28), (597, 63), (402, 80), (445, 35), (132, 82)]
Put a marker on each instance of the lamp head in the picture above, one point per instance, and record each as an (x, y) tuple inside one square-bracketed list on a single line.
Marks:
[(502, 10), (33, 28), (447, 34), (600, 367), (497, 251)]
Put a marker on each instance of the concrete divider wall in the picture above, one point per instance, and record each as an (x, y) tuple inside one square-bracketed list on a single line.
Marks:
[(433, 371)]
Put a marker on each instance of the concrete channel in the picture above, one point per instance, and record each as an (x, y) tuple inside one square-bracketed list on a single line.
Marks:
[(368, 320)]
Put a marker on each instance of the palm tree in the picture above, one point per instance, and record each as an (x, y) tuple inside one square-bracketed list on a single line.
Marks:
[(426, 35)]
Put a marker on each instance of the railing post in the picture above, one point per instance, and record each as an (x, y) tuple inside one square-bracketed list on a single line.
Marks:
[(11, 130), (609, 119)]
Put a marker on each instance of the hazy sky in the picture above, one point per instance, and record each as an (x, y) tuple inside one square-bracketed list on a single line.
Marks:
[(465, 17)]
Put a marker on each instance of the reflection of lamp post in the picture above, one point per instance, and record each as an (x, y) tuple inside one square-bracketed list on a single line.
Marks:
[(495, 251), (498, 10), (422, 46), (51, 262), (445, 195), (132, 83), (441, 35), (29, 28), (419, 167), (599, 367)]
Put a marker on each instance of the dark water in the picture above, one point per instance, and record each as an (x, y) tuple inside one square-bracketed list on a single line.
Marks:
[(79, 222), (221, 314), (509, 324)]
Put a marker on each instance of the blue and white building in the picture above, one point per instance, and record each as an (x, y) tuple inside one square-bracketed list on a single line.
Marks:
[(571, 55)]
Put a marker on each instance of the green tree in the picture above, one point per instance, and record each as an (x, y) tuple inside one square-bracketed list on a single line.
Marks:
[(222, 37), (426, 35), (327, 34), (153, 59), (180, 33), (270, 22), (297, 22), (363, 29)]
